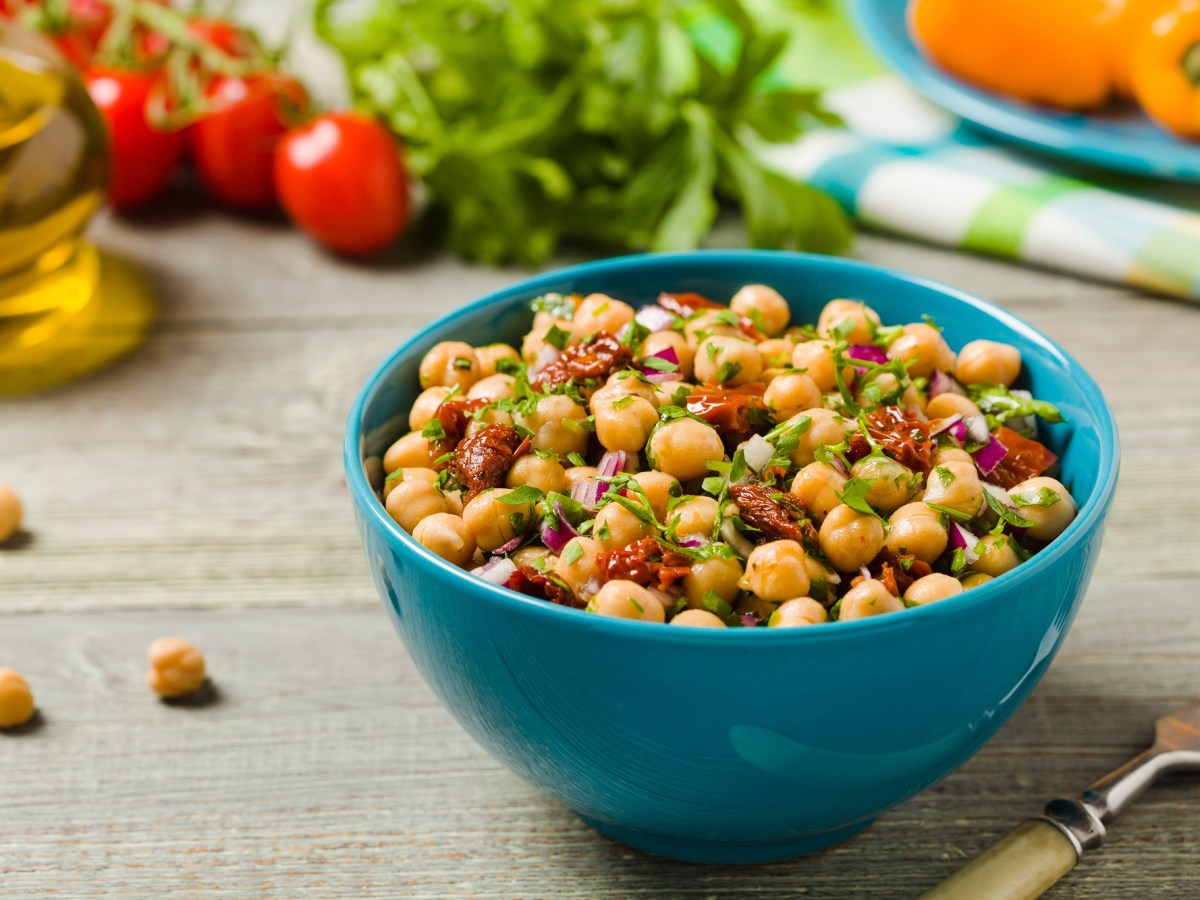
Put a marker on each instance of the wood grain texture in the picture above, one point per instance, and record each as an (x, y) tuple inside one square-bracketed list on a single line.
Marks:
[(328, 769)]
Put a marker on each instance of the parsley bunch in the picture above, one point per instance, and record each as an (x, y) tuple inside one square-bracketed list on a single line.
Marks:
[(612, 123)]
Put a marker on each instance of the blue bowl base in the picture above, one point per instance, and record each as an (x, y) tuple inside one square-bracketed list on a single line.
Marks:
[(724, 853)]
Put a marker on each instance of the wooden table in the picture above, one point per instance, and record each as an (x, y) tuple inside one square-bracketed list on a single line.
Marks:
[(196, 488)]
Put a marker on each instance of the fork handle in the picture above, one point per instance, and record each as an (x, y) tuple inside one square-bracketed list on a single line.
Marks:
[(1021, 866)]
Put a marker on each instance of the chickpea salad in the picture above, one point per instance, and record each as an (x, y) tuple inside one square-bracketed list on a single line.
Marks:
[(720, 466)]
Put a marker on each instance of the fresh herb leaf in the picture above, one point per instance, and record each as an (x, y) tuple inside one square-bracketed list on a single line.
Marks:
[(1001, 404), (575, 459), (1011, 516), (433, 430), (557, 337), (1044, 497), (854, 495), (526, 493), (506, 365), (622, 402), (658, 364), (727, 370), (572, 553)]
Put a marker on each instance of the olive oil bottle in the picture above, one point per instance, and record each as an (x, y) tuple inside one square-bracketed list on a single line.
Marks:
[(58, 318)]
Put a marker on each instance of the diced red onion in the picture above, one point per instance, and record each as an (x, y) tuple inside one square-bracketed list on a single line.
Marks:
[(545, 356), (590, 588), (655, 318), (612, 463), (990, 455), (497, 571), (758, 452), (946, 424), (749, 620), (1000, 495), (691, 540), (588, 493), (837, 463), (558, 536), (510, 546), (958, 432), (941, 383), (868, 353), (655, 376), (962, 539), (977, 429)]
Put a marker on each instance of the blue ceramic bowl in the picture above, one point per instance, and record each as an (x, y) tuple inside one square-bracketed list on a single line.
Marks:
[(740, 745)]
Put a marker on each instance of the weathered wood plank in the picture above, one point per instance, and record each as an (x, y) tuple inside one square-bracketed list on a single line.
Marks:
[(328, 769)]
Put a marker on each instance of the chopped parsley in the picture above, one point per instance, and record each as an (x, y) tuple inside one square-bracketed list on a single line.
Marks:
[(573, 553), (1044, 497), (433, 430), (526, 493), (556, 305), (461, 362), (728, 370), (623, 402), (658, 364), (557, 337), (854, 495)]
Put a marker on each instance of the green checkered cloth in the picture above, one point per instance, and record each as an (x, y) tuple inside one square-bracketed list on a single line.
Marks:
[(904, 166)]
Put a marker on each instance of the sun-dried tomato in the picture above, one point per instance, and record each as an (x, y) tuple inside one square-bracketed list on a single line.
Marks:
[(688, 304), (647, 563), (734, 412), (528, 580), (598, 358), (453, 414), (482, 459), (776, 515), (1025, 459), (897, 571), (901, 434)]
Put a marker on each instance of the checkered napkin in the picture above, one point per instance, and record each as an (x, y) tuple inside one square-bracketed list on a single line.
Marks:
[(905, 166)]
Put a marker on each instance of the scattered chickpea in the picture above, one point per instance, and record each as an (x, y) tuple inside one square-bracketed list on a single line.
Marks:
[(914, 528), (661, 340), (718, 574), (764, 306), (868, 598), (600, 312), (974, 580), (815, 358), (815, 487), (414, 499), (16, 700), (627, 600), (791, 393), (425, 406), (489, 356), (956, 485), (448, 364), (798, 612), (487, 516), (697, 618), (836, 312), (176, 667), (545, 474), (943, 406), (932, 587), (683, 447), (893, 483), (725, 360), (850, 539), (492, 388), (576, 567), (448, 536), (695, 516), (922, 349), (10, 512), (659, 488), (825, 428), (411, 451), (1048, 521), (625, 423), (776, 571), (997, 555)]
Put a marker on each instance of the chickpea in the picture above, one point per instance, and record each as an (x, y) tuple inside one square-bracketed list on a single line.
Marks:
[(868, 598), (776, 571), (627, 600), (913, 399), (988, 362), (1048, 521), (617, 527), (411, 451), (413, 500), (448, 536), (717, 574), (850, 539), (425, 406), (943, 406), (695, 516), (838, 311), (769, 375), (764, 306), (16, 700), (996, 556), (826, 428), (974, 580), (448, 364), (621, 385), (490, 356), (923, 349), (815, 487), (661, 340), (599, 312), (625, 424), (943, 455), (418, 473), (491, 520), (956, 485), (683, 448), (659, 489), (709, 321), (10, 512), (726, 360), (797, 613), (776, 353), (488, 417), (915, 529), (666, 393), (697, 618), (932, 587), (893, 483), (548, 422), (545, 474), (492, 388), (577, 568), (815, 358), (532, 555), (791, 393), (176, 667), (576, 474)]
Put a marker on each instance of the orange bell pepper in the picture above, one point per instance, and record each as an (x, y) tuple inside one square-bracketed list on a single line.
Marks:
[(1166, 69), (1055, 52), (1131, 21)]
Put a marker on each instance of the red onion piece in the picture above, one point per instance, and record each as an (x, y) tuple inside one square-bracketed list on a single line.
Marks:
[(946, 424), (962, 539), (612, 463), (958, 432), (749, 620), (497, 571), (691, 540), (587, 493), (657, 376), (510, 546), (557, 537), (868, 353), (977, 429), (590, 588), (655, 318), (941, 383), (990, 455)]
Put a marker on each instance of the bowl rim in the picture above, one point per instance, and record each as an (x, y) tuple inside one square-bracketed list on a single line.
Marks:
[(521, 605)]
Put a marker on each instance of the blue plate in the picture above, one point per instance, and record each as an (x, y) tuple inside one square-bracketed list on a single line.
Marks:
[(1122, 139)]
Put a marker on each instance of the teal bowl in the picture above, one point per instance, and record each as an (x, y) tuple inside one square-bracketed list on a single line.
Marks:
[(740, 745)]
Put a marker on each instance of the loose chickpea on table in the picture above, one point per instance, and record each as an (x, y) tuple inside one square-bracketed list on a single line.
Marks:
[(716, 466)]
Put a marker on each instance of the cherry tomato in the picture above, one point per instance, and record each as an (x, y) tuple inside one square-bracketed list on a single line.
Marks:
[(233, 146), (341, 178), (223, 35), (143, 157)]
